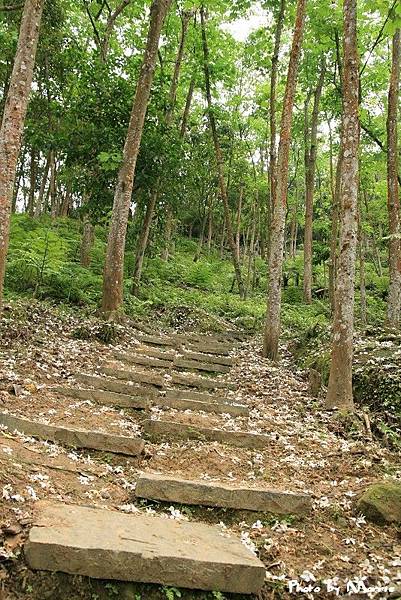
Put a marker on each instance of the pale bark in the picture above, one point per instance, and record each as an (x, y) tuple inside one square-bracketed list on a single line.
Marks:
[(239, 215), (52, 186), (339, 393), (13, 119), (87, 240), (310, 169), (32, 181), (220, 160), (168, 232), (393, 190), (272, 328), (362, 270), (114, 264), (42, 189)]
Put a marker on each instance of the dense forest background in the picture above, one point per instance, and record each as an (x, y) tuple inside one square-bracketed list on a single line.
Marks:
[(201, 215)]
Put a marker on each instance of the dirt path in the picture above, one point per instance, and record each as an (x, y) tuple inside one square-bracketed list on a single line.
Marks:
[(309, 451)]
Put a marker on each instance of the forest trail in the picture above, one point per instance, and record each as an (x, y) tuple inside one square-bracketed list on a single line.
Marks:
[(176, 463)]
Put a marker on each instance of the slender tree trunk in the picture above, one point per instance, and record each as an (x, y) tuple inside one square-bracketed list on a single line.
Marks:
[(335, 214), (52, 187), (168, 118), (239, 215), (339, 393), (114, 264), (87, 240), (32, 181), (17, 185), (272, 174), (14, 117), (310, 168), (272, 329), (168, 232), (220, 160), (66, 204), (294, 224), (143, 239), (39, 201), (201, 238), (251, 255), (210, 226), (185, 117), (362, 270), (393, 193)]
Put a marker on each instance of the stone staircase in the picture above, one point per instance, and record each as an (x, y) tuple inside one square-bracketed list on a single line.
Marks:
[(161, 373)]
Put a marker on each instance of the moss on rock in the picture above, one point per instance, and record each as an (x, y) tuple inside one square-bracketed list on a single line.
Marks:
[(381, 503)]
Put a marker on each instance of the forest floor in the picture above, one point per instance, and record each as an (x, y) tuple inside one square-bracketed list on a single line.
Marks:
[(311, 451)]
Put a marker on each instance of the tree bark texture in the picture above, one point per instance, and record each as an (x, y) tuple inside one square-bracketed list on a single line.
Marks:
[(14, 117), (272, 328), (339, 393), (114, 264), (393, 190)]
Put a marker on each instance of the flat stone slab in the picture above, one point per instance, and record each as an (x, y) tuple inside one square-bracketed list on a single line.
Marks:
[(209, 348), (209, 358), (155, 353), (173, 489), (193, 395), (179, 431), (201, 382), (103, 544), (78, 438), (208, 407), (118, 387), (133, 375), (105, 397), (194, 365), (143, 360), (155, 340)]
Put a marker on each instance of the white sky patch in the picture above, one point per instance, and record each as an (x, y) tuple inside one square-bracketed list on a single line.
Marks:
[(242, 28)]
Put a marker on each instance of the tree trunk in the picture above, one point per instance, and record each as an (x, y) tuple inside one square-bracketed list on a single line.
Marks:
[(14, 117), (393, 190), (210, 226), (185, 117), (66, 203), (52, 186), (339, 393), (168, 118), (272, 329), (32, 181), (114, 264), (87, 240), (362, 270), (39, 201), (168, 231), (273, 127), (239, 214), (310, 168), (219, 160)]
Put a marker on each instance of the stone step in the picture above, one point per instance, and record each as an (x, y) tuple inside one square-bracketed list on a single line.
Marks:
[(105, 397), (133, 375), (196, 405), (102, 544), (199, 338), (209, 348), (201, 382), (146, 361), (78, 438), (209, 358), (192, 395), (156, 340), (173, 489), (194, 365), (155, 353), (171, 430), (118, 387)]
